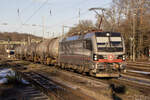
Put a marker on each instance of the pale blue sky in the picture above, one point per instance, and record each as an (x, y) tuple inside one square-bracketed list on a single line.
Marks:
[(64, 12)]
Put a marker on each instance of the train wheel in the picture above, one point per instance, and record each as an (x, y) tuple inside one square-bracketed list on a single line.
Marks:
[(67, 66), (41, 60), (34, 59), (71, 66), (86, 70), (74, 67), (62, 66), (47, 61), (80, 69), (91, 73)]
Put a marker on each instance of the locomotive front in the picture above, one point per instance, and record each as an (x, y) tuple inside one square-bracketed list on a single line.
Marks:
[(108, 54)]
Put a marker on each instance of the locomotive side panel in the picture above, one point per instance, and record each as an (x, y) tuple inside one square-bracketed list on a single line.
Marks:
[(76, 53), (73, 52)]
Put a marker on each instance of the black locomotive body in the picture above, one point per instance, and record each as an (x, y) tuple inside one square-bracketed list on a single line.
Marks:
[(100, 53)]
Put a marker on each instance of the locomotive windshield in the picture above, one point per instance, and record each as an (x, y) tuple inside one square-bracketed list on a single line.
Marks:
[(107, 42)]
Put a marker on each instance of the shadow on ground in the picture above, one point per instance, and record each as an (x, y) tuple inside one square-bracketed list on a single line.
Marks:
[(117, 89), (10, 93)]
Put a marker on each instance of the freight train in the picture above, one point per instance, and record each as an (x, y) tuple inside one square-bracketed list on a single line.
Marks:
[(101, 54)]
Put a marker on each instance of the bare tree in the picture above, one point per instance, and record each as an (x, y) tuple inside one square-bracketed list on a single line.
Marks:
[(131, 18), (83, 27)]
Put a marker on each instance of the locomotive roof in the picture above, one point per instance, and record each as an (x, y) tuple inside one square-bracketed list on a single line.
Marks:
[(77, 37), (89, 35), (112, 34)]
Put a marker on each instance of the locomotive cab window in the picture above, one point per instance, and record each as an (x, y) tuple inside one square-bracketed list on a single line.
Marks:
[(109, 42), (116, 41), (88, 44)]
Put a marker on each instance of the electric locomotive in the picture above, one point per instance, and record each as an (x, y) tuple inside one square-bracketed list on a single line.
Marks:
[(102, 54)]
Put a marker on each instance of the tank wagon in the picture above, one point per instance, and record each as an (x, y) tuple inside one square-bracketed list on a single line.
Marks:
[(19, 52), (30, 54), (102, 54), (47, 51)]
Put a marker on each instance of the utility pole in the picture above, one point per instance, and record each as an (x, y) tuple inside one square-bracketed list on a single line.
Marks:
[(79, 15), (43, 27), (149, 52), (134, 51), (131, 47), (53, 34), (63, 30), (29, 39), (48, 34)]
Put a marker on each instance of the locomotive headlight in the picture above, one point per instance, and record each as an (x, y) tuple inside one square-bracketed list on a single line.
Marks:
[(95, 57), (123, 57), (108, 34)]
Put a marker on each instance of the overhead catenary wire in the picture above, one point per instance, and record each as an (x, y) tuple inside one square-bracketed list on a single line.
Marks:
[(33, 14), (20, 11), (81, 14), (68, 19), (57, 24)]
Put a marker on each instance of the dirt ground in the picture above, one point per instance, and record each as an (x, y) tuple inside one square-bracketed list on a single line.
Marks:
[(120, 92), (127, 94)]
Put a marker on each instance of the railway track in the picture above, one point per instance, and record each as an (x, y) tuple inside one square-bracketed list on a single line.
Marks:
[(139, 65), (138, 68), (45, 85), (97, 81), (134, 73), (137, 80), (51, 88), (127, 81), (32, 93), (138, 72), (102, 82)]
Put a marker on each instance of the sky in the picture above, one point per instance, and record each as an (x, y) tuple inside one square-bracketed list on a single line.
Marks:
[(29, 16)]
